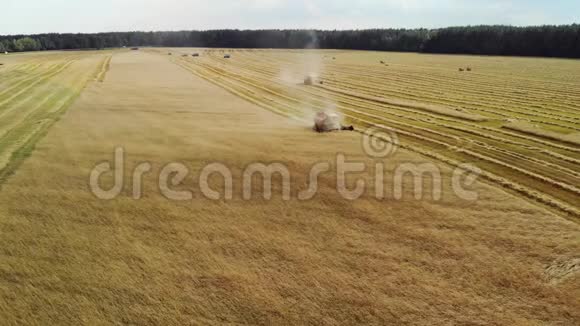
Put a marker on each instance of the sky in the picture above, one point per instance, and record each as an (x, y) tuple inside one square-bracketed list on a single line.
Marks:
[(90, 16)]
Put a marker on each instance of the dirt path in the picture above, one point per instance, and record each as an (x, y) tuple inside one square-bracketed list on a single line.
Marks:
[(68, 257)]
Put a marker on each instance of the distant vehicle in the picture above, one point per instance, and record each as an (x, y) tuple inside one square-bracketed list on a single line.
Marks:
[(326, 122)]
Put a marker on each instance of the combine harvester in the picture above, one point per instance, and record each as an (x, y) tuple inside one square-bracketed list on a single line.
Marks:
[(326, 122)]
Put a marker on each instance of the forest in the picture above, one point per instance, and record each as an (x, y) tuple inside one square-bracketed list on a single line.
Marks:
[(542, 41)]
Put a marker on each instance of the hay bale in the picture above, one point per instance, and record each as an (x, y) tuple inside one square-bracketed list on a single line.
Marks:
[(468, 69), (461, 69)]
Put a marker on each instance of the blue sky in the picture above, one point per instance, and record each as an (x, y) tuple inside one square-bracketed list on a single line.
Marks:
[(40, 16)]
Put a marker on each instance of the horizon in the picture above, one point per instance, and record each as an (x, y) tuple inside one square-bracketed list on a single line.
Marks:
[(29, 17)]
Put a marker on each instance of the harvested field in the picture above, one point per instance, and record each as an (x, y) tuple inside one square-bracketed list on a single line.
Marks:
[(67, 257), (35, 92), (436, 111), (572, 138)]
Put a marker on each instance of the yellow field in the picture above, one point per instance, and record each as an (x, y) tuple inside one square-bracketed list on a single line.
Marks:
[(67, 257), (438, 111), (34, 91)]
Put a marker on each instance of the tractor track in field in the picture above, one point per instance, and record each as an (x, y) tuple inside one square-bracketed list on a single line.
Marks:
[(103, 69)]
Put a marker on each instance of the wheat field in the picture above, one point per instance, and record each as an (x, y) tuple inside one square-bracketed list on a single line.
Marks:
[(67, 257), (454, 116), (35, 90)]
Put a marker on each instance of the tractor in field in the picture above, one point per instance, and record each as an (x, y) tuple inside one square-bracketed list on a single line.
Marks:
[(326, 122), (311, 80)]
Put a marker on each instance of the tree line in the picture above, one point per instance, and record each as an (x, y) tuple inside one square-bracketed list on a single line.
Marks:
[(544, 41)]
